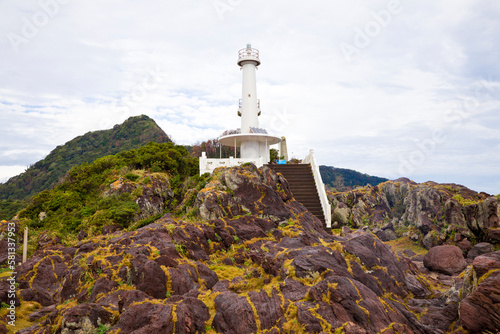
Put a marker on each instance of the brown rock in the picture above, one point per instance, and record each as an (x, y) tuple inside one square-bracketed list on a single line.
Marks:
[(82, 235), (374, 253), (85, 318), (268, 309), (183, 279), (109, 229), (45, 275), (484, 263), (146, 318), (479, 312), (345, 230), (102, 285), (246, 189), (148, 277), (465, 245), (440, 318), (480, 249), (42, 312), (6, 289), (47, 240), (445, 259), (122, 299), (308, 261), (191, 316), (234, 314), (493, 235)]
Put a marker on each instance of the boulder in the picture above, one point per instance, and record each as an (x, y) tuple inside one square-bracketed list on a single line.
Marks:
[(183, 279), (445, 259), (480, 249)]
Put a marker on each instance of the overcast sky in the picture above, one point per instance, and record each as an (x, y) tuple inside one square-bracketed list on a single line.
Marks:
[(389, 88)]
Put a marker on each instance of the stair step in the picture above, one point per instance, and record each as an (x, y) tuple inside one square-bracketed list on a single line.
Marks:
[(303, 186)]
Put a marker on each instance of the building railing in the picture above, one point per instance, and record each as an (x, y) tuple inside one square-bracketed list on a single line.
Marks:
[(207, 165), (320, 187), (248, 54)]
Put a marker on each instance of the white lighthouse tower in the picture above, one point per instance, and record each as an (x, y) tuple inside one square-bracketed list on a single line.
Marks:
[(253, 141)]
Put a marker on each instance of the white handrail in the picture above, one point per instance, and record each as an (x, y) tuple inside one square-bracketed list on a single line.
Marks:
[(320, 187)]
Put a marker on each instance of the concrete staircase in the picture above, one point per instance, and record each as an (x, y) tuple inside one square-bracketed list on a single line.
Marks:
[(301, 181)]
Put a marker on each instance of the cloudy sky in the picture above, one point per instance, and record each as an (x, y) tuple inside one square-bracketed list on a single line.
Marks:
[(389, 88)]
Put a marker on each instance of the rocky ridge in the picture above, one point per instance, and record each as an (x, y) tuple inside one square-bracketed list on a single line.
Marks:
[(253, 252), (429, 213)]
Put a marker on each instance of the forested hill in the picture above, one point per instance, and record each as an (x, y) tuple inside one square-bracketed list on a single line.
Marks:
[(341, 179), (133, 133)]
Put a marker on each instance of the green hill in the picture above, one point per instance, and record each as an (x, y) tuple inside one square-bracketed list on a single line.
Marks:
[(341, 179), (116, 189), (133, 133)]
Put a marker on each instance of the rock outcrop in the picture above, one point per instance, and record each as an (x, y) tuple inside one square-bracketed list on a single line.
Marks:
[(433, 214)]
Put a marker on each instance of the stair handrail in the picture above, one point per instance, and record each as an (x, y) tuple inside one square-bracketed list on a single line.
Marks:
[(320, 187)]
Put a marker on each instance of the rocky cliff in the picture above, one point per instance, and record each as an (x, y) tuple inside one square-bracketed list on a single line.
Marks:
[(253, 260), (429, 213)]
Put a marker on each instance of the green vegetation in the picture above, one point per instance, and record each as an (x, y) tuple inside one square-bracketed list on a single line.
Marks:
[(9, 208), (45, 174), (86, 200), (341, 179), (464, 201), (102, 329)]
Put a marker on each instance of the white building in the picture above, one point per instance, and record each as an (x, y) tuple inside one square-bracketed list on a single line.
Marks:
[(253, 141)]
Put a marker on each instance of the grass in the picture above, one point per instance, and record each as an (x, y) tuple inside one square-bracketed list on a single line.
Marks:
[(404, 243), (464, 201), (22, 315)]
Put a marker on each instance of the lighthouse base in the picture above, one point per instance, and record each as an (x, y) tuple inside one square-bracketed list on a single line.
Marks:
[(254, 148)]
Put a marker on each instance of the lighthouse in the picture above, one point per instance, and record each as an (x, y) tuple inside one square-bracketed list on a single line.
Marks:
[(252, 140), (249, 109)]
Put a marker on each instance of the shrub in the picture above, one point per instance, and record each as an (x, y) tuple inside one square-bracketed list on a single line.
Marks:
[(131, 176)]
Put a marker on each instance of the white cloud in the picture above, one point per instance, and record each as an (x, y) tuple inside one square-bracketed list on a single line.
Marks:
[(90, 66)]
